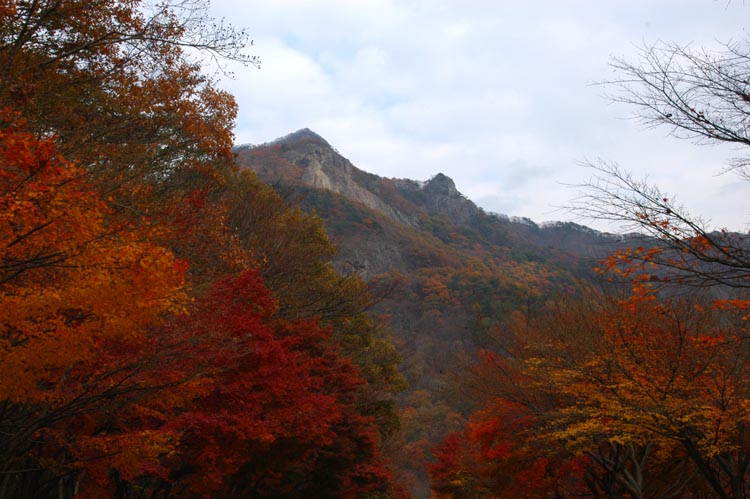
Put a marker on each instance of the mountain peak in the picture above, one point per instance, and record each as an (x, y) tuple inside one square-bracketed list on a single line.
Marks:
[(441, 184), (301, 135)]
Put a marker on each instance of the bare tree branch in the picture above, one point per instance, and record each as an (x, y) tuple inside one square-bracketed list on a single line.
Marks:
[(684, 250)]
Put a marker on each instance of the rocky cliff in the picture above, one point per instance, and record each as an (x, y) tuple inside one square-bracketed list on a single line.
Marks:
[(304, 159), (320, 166)]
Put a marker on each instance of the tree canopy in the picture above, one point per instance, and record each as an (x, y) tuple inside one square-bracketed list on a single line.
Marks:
[(152, 340)]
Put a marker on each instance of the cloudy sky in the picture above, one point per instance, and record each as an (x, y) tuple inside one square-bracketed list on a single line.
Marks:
[(499, 95)]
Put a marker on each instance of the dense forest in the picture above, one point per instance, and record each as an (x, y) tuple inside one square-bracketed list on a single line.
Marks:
[(182, 319)]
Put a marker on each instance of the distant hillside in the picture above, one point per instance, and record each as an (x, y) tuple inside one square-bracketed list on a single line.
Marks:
[(464, 270), (304, 161), (433, 235)]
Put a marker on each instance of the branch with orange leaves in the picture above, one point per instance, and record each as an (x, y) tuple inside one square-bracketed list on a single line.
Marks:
[(681, 248)]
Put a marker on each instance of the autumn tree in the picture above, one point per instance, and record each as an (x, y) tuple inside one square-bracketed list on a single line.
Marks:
[(120, 385), (277, 416), (626, 368), (700, 95), (664, 374), (71, 285), (147, 281), (293, 254), (608, 397), (502, 450), (114, 84), (87, 274)]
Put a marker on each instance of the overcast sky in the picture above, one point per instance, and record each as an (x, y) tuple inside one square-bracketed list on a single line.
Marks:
[(498, 95)]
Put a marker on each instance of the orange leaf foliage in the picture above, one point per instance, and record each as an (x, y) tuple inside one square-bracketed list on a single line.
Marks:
[(68, 281)]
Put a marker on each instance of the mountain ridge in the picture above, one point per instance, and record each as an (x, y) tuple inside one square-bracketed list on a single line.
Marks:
[(418, 227), (322, 166)]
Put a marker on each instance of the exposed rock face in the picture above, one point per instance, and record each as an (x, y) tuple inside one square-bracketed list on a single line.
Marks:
[(441, 185), (369, 256), (324, 168), (443, 198)]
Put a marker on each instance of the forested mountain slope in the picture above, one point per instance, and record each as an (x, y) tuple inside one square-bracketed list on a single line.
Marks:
[(460, 271)]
